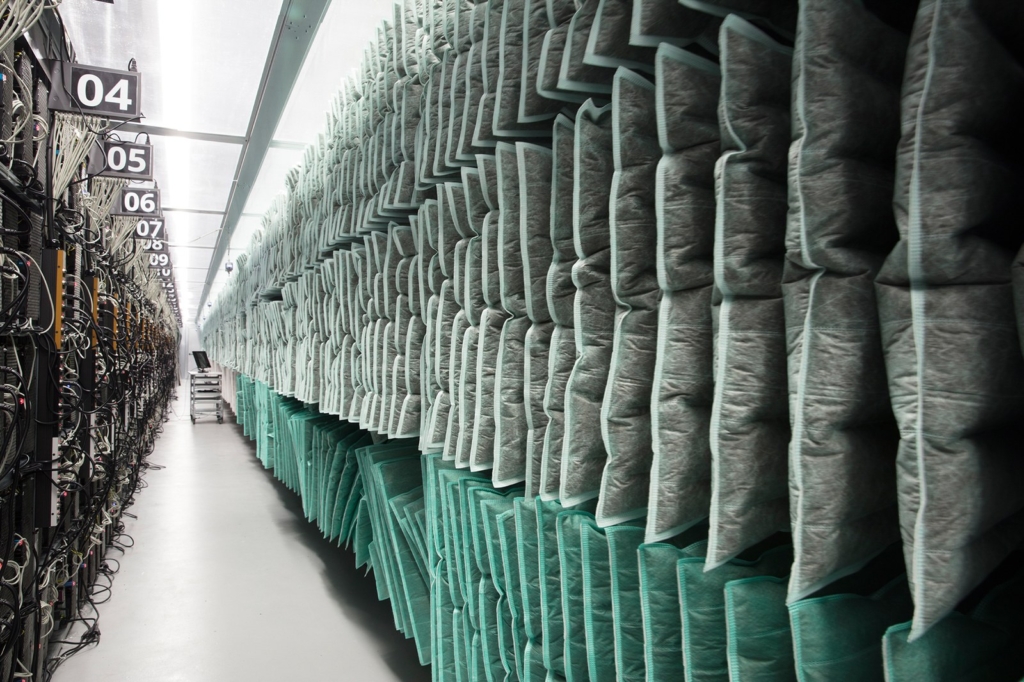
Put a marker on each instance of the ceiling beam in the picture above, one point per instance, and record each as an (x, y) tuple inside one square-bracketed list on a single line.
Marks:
[(297, 25)]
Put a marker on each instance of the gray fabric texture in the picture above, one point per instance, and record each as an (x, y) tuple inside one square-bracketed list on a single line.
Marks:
[(626, 407), (561, 293), (575, 75), (584, 454), (608, 43), (956, 373), (842, 468), (688, 88), (750, 417)]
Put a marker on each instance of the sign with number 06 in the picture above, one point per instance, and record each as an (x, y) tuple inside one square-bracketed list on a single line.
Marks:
[(139, 201)]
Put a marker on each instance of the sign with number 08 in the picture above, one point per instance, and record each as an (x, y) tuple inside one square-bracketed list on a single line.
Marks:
[(139, 201)]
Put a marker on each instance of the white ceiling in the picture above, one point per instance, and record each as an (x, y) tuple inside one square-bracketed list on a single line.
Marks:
[(201, 63)]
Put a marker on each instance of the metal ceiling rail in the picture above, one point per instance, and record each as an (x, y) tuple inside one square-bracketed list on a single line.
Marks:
[(297, 25)]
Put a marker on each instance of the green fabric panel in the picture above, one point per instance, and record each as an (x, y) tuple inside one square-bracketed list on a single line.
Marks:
[(404, 508), (597, 602), (380, 578), (529, 568), (987, 644), (627, 614), (433, 464), (460, 649), (509, 540), (490, 640), (363, 533), (569, 525), (839, 636), (443, 662), (348, 520), (552, 625), (660, 604), (702, 596), (491, 510), (760, 642)]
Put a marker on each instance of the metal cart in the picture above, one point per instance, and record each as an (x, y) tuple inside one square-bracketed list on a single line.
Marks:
[(205, 395)]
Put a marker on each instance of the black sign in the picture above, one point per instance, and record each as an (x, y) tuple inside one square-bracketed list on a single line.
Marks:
[(164, 273), (155, 246), (151, 228), (143, 202), (159, 261), (93, 90), (126, 160)]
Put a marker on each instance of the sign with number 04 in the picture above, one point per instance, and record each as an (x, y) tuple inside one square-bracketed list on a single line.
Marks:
[(139, 201), (93, 90)]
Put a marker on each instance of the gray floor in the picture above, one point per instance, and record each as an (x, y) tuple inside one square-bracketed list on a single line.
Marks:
[(227, 581)]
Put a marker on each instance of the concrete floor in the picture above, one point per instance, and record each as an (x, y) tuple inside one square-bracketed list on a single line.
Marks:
[(227, 581)]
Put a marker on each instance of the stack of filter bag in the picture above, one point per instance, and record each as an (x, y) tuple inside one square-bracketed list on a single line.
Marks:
[(686, 331)]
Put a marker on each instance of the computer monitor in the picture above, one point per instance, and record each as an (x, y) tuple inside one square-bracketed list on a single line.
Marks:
[(202, 361)]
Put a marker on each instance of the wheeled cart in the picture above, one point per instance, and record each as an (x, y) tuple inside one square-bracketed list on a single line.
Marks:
[(206, 395)]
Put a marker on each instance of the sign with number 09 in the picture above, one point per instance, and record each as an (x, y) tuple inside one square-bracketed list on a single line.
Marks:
[(139, 201), (159, 260)]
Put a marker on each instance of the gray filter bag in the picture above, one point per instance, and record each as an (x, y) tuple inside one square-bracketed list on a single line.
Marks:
[(575, 75), (750, 416), (509, 398), (778, 15), (583, 450), (533, 106), (667, 21), (842, 456), (535, 243), (608, 43), (510, 78), (687, 99), (560, 13), (561, 293), (626, 409), (956, 374)]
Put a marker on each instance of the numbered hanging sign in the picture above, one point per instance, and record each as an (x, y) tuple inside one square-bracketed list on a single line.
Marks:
[(164, 273), (143, 202), (84, 89), (155, 246), (159, 260), (152, 228), (127, 160)]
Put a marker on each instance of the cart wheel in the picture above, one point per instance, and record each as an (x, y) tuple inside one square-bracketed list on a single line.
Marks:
[(193, 420), (220, 420)]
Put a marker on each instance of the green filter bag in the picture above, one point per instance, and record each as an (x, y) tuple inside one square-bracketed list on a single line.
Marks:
[(363, 534), (660, 607), (986, 643), (530, 587), (403, 509), (549, 568), (443, 664), (598, 624), (838, 636), (348, 520), (702, 601), (569, 525), (759, 639), (461, 648), (406, 582), (491, 510), (626, 611), (467, 532), (509, 542)]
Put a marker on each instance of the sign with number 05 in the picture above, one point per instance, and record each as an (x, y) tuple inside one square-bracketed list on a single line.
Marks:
[(139, 201), (127, 160), (84, 89)]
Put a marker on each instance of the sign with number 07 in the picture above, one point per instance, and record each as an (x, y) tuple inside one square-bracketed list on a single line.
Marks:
[(94, 90), (139, 201), (153, 228)]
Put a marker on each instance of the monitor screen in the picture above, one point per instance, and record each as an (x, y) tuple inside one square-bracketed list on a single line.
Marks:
[(202, 362)]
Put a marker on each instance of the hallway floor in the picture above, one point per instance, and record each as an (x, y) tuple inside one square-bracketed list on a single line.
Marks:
[(227, 581)]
